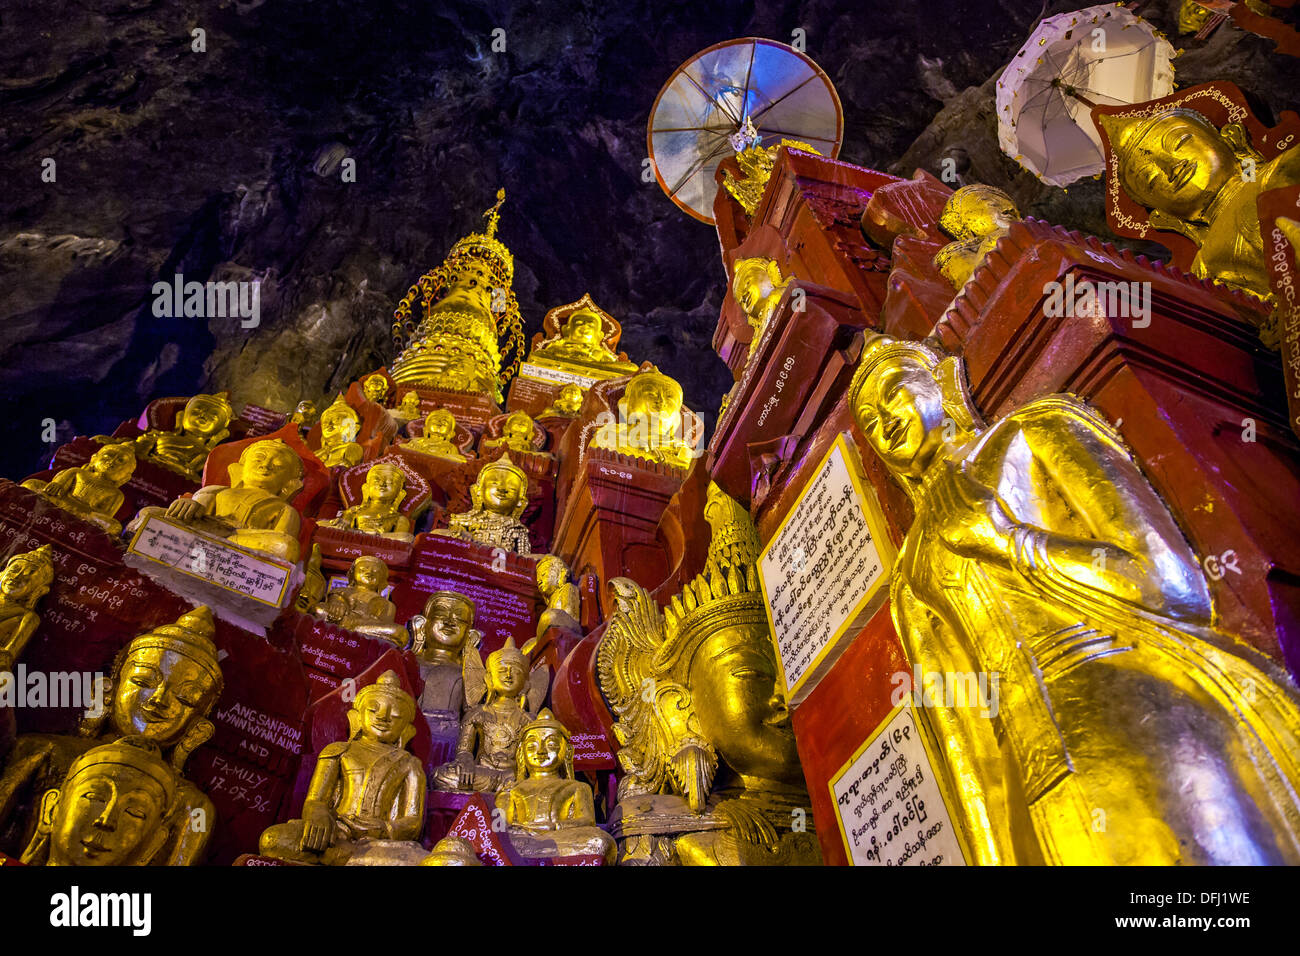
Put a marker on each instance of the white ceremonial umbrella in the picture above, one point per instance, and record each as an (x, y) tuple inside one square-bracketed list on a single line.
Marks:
[(1099, 56)]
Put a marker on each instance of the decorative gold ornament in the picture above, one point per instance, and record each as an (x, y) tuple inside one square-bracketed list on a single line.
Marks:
[(92, 492), (975, 217), (382, 492), (650, 422), (499, 496), (361, 606), (339, 425), (26, 579)]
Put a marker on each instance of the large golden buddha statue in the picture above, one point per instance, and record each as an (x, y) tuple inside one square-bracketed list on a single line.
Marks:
[(93, 491), (365, 802), (203, 424), (703, 725), (162, 686), (339, 425), (377, 514), (498, 497), (361, 606), (1129, 730), (975, 217), (26, 579), (582, 342), (438, 438), (464, 307), (650, 422)]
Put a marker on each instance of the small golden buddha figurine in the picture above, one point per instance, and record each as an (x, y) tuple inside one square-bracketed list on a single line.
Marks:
[(516, 434), (650, 422), (567, 403), (304, 416), (26, 579), (92, 492), (582, 341), (378, 514), (365, 802), (501, 699), (108, 811), (438, 438), (441, 637), (976, 217), (408, 409), (202, 425), (361, 606), (253, 511), (375, 388), (452, 851), (758, 286), (549, 812), (563, 602), (339, 425), (756, 162), (499, 497), (1078, 589), (162, 686)]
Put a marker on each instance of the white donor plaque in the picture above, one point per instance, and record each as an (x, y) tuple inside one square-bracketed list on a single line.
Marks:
[(541, 373), (822, 572), (888, 803), (260, 577)]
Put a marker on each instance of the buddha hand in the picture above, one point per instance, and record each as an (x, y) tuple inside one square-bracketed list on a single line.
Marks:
[(317, 826), (186, 509), (969, 516), (464, 772), (750, 823)]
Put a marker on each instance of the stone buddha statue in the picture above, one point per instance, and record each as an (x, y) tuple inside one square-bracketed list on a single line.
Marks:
[(549, 812), (650, 422), (108, 811), (975, 217), (375, 388), (452, 851), (439, 438), (582, 341), (92, 492), (567, 403), (703, 724), (563, 602), (339, 425), (1039, 552), (758, 285), (253, 511), (500, 700), (365, 802), (26, 579), (377, 514), (162, 686), (361, 606), (202, 425), (516, 434), (498, 497)]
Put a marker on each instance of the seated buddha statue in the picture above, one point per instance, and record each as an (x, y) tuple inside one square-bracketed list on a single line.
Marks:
[(108, 810), (563, 602), (1194, 180), (548, 811), (375, 388), (93, 491), (1076, 586), (203, 424), (582, 341), (516, 434), (408, 409), (339, 425), (253, 511), (498, 497), (500, 699), (361, 606), (452, 851), (26, 579), (975, 217), (650, 422), (365, 802), (758, 285), (567, 403), (162, 686), (377, 514), (439, 438)]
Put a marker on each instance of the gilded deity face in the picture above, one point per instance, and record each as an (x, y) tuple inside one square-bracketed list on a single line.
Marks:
[(370, 573), (1178, 166), (411, 403), (742, 711), (900, 411), (375, 388), (470, 289), (656, 399), (268, 466), (518, 428), (338, 427), (440, 424), (115, 463), (103, 816), (544, 750), (502, 490), (551, 573), (383, 717), (752, 285), (569, 399), (585, 327), (21, 578), (203, 417), (507, 673), (159, 693), (384, 483), (449, 621)]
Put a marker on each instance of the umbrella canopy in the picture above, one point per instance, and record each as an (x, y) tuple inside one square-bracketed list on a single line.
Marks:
[(708, 99), (1099, 56)]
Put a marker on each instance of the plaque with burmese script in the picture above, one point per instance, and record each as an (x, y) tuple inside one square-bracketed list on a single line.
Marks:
[(825, 570)]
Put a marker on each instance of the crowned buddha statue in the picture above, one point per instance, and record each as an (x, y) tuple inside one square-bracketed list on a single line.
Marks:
[(365, 802), (203, 424), (452, 851), (550, 813), (93, 491), (702, 721), (1039, 552), (498, 497), (408, 409), (758, 285), (253, 511), (361, 606), (162, 687), (517, 434), (450, 322), (563, 602), (377, 514), (339, 425), (500, 700), (650, 422), (439, 437), (375, 388), (582, 342), (975, 218), (567, 403), (109, 810), (26, 579)]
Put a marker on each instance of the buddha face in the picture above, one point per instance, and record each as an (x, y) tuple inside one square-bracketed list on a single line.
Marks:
[(569, 399), (203, 417), (551, 573), (470, 289), (752, 285), (268, 466), (115, 463), (383, 716), (22, 577), (103, 816), (338, 427), (518, 429), (545, 749), (502, 490), (449, 621), (384, 484), (159, 693), (507, 673), (440, 425), (411, 403), (375, 388), (585, 327), (741, 710), (900, 412), (1178, 166), (655, 398), (370, 573)]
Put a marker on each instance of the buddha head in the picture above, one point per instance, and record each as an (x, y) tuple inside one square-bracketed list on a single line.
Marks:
[(109, 810), (305, 412), (507, 671), (758, 285), (977, 211), (502, 488), (339, 424), (114, 463), (448, 627), (206, 417), (440, 425), (552, 573), (518, 429), (375, 388), (585, 327), (410, 405), (452, 851), (385, 484), (369, 572), (652, 400), (268, 465), (569, 401), (27, 576), (545, 749), (383, 712)]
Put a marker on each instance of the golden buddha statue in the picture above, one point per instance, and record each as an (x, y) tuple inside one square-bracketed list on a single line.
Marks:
[(92, 492), (466, 305), (500, 700), (408, 409), (365, 802), (516, 434), (253, 511), (582, 342), (440, 638), (304, 416), (377, 514), (563, 602), (109, 809), (162, 686), (375, 388), (703, 724), (650, 422), (758, 286), (202, 425), (498, 497), (549, 812), (567, 403), (975, 217), (439, 437), (361, 606), (756, 162), (26, 579), (1203, 183), (452, 851), (339, 425), (314, 585), (1040, 553)]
